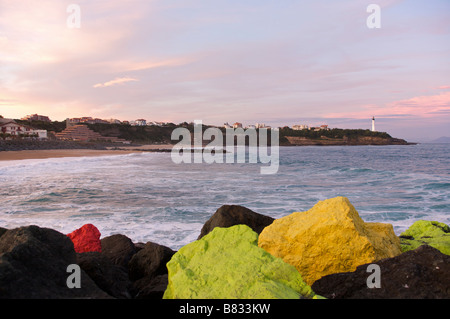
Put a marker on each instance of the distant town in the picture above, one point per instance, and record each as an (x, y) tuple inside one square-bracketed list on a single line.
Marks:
[(10, 128), (37, 127)]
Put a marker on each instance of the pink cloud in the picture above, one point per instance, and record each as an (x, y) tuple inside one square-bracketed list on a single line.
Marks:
[(423, 106), (426, 106), (116, 81)]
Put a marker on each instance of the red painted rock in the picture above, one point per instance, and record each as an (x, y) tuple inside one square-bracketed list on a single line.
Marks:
[(86, 239)]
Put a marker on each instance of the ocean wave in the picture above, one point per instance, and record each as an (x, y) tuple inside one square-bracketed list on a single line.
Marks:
[(149, 198)]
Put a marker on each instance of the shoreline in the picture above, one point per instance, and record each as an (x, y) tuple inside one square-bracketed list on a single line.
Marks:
[(78, 152), (44, 154), (121, 150)]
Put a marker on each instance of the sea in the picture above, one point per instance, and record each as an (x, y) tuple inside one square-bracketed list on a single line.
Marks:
[(147, 197)]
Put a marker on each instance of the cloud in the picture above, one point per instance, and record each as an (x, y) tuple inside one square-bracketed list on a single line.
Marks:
[(443, 87), (116, 81), (425, 106)]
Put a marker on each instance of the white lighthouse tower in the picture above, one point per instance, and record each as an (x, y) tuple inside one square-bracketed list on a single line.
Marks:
[(373, 124)]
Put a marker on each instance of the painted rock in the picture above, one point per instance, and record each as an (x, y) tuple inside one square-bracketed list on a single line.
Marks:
[(86, 239), (329, 238), (228, 264), (425, 232)]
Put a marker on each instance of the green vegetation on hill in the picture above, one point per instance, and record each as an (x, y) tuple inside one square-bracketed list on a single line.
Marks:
[(333, 133), (162, 134), (137, 134), (41, 125)]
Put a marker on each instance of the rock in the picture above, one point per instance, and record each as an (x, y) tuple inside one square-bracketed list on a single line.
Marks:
[(150, 287), (226, 264), (423, 273), (109, 277), (33, 264), (2, 231), (424, 232), (230, 215), (329, 238), (150, 261), (86, 239), (145, 268), (118, 249)]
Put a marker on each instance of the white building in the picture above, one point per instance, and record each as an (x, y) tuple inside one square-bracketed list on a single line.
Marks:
[(9, 128), (140, 122), (300, 127), (41, 134)]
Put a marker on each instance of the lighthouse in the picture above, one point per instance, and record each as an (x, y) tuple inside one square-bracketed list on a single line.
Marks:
[(373, 124)]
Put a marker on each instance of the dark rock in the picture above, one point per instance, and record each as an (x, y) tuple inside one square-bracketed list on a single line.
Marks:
[(150, 287), (109, 277), (148, 271), (423, 273), (149, 261), (2, 231), (139, 246), (230, 215), (118, 249), (33, 264)]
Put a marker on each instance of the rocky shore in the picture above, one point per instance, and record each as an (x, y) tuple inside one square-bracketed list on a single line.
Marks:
[(324, 252), (344, 141)]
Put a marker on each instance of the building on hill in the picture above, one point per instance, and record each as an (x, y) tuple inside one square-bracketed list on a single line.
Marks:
[(80, 132), (140, 122), (86, 120), (10, 129), (300, 127), (36, 117)]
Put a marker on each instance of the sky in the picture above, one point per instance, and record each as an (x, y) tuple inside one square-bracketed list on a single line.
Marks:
[(278, 62)]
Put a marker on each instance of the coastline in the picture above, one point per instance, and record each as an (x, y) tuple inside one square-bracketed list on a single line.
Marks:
[(43, 154), (79, 152)]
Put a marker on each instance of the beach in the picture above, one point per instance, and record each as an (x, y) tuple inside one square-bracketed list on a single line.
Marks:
[(42, 154), (57, 153)]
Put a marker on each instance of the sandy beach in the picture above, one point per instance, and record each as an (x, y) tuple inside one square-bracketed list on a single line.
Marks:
[(42, 154)]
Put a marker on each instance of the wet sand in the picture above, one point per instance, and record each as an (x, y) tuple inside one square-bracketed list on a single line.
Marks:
[(42, 154)]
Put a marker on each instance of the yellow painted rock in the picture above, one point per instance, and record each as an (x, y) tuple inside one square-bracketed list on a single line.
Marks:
[(329, 238)]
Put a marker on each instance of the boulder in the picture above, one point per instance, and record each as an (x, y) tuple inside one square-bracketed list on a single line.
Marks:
[(230, 215), (228, 264), (329, 238), (86, 239), (2, 231), (425, 232), (147, 269), (149, 261), (150, 287), (118, 249), (34, 262), (109, 277), (423, 273)]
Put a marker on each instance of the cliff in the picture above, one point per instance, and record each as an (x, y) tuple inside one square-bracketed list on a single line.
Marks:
[(357, 140)]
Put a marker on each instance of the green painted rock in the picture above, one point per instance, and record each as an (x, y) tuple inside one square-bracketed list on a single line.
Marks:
[(227, 264), (424, 232)]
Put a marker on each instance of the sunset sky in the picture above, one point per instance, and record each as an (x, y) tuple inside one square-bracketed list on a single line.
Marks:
[(280, 62)]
